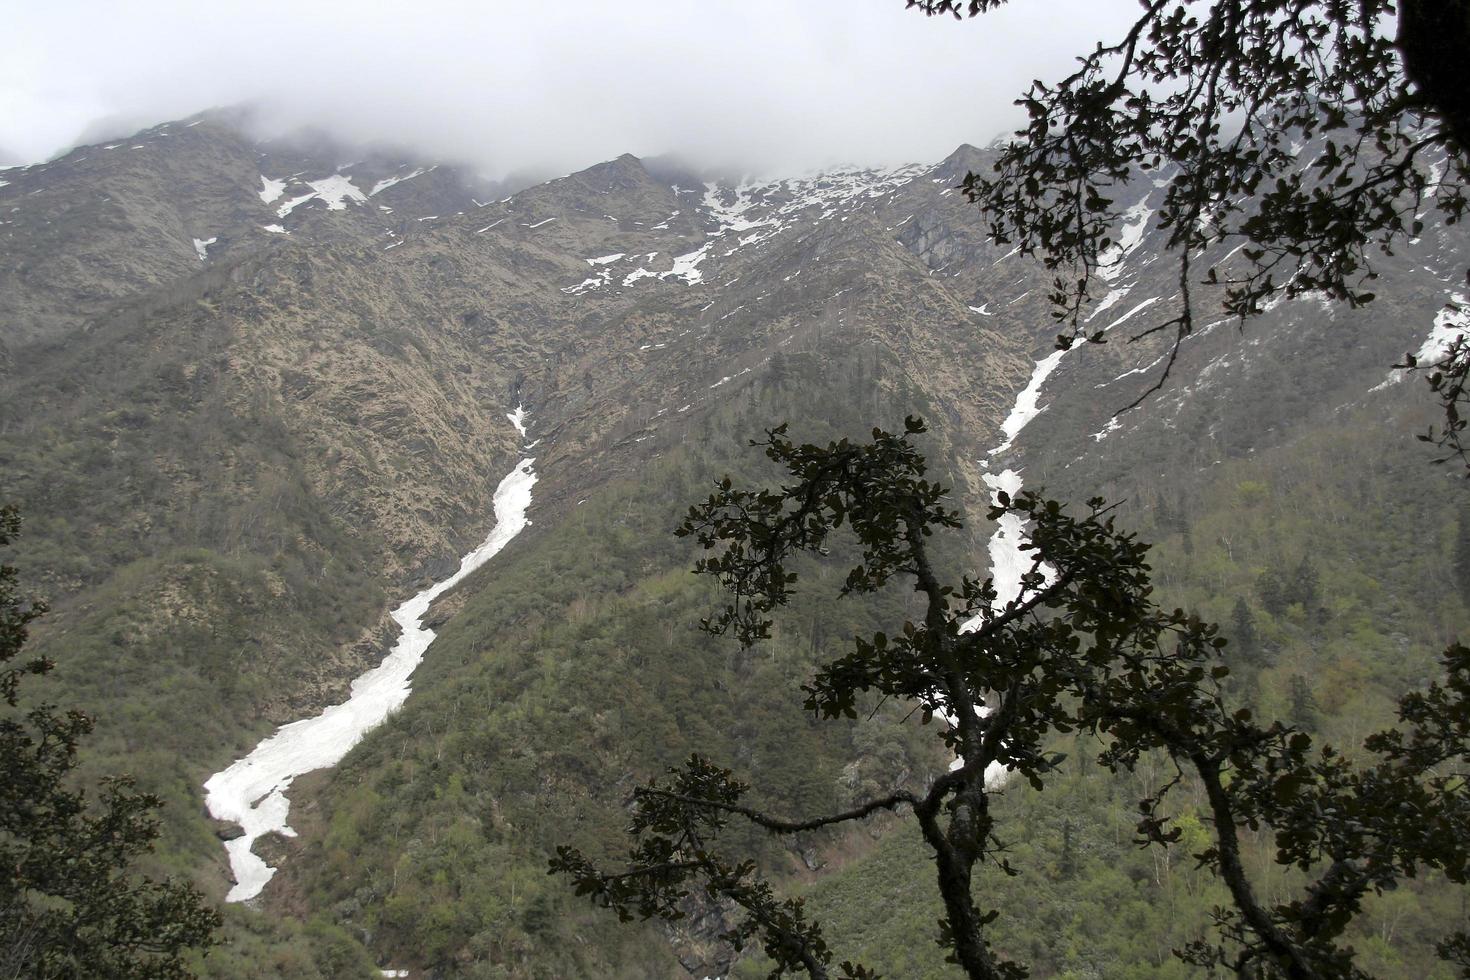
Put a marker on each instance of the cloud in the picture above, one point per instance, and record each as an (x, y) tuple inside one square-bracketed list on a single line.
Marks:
[(771, 85)]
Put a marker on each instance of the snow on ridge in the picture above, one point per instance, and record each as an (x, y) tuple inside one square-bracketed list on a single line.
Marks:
[(1449, 324), (606, 259), (252, 791), (591, 282), (1113, 426), (731, 216), (757, 211), (201, 247)]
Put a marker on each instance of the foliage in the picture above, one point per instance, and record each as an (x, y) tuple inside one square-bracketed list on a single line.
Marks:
[(70, 904), (1082, 648), (1216, 100), (571, 675)]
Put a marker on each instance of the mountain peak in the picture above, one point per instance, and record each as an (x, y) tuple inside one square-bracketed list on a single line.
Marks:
[(621, 173)]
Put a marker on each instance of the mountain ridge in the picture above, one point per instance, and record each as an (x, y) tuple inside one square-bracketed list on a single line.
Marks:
[(238, 448)]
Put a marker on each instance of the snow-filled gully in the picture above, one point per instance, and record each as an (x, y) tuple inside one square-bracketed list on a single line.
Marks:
[(252, 791), (1008, 562)]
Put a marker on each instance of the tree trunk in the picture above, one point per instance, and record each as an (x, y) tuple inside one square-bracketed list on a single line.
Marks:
[(1433, 39)]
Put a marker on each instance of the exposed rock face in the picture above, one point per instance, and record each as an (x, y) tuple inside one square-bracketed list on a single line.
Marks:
[(388, 342), (252, 393), (377, 339)]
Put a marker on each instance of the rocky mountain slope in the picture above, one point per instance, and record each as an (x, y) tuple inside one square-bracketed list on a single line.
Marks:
[(256, 394)]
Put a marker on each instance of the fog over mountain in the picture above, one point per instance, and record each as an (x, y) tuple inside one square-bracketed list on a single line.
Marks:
[(759, 85)]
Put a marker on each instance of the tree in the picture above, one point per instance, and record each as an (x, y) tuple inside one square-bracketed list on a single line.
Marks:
[(1081, 649), (1243, 632), (1305, 585), (1460, 560), (1302, 712), (1273, 591), (1214, 97), (70, 904)]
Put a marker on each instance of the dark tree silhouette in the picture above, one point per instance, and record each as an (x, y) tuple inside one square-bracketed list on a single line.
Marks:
[(1214, 97), (1082, 648), (70, 904)]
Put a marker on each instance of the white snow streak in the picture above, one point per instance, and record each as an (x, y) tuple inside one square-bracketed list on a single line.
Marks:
[(388, 182), (1137, 309), (1028, 402), (201, 247), (252, 792), (1135, 224), (518, 419)]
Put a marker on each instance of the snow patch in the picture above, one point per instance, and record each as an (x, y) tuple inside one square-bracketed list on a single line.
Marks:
[(335, 191), (252, 791), (1450, 324), (201, 247), (1130, 236), (388, 182), (1028, 402), (518, 419), (686, 266), (1111, 299), (1113, 426), (271, 189)]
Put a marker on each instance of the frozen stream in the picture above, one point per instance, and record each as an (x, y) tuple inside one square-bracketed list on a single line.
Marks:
[(1008, 562), (252, 792)]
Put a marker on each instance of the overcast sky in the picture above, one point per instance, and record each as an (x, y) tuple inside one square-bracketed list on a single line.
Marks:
[(546, 85)]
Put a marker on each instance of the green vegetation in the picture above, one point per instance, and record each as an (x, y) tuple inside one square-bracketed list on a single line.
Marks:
[(194, 575), (573, 672), (71, 902), (1088, 902), (1081, 649)]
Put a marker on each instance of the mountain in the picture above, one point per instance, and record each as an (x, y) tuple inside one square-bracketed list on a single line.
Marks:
[(257, 395)]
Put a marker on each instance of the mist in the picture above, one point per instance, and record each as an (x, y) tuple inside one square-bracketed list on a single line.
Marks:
[(759, 86)]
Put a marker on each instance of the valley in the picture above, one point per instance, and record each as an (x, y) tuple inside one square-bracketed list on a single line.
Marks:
[(257, 392)]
